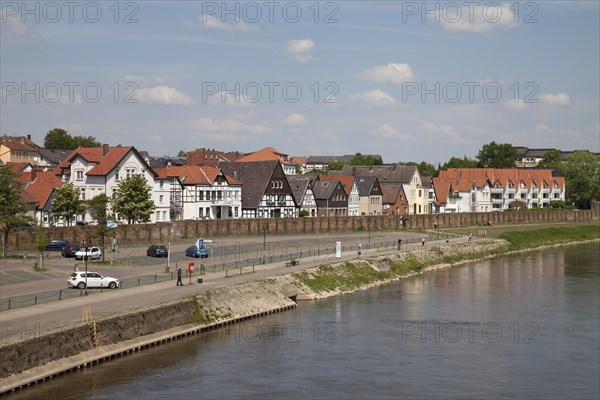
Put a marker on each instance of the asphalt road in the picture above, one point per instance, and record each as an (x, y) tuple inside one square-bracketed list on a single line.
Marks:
[(28, 321)]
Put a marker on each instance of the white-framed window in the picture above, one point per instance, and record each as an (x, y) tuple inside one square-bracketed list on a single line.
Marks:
[(235, 212), (161, 199), (162, 184), (164, 216), (79, 175), (129, 171), (158, 215), (82, 193)]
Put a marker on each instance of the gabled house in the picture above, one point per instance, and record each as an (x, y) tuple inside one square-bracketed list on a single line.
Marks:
[(407, 175), (331, 198), (49, 159), (349, 184), (491, 189), (18, 149), (208, 157), (193, 192), (41, 190), (270, 154), (370, 195), (303, 193), (266, 191), (394, 201), (96, 170)]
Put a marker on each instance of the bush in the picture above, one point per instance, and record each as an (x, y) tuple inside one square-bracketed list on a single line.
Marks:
[(303, 213), (557, 204)]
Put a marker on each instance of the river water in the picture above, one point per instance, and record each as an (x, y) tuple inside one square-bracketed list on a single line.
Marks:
[(525, 326)]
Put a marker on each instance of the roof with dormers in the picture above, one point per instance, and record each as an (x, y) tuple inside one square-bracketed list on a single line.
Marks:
[(106, 159)]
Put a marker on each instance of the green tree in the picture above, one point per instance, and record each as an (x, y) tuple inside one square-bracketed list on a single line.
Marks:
[(424, 167), (98, 208), (66, 203), (551, 159), (496, 155), (336, 166), (456, 162), (132, 199), (181, 153), (58, 138), (12, 209), (582, 178), (85, 141), (360, 160)]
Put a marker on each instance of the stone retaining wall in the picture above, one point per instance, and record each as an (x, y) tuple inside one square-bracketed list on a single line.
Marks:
[(24, 239)]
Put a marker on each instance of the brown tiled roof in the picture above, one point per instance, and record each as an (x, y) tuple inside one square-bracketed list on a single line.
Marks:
[(255, 177), (390, 192), (193, 175), (388, 173), (20, 143)]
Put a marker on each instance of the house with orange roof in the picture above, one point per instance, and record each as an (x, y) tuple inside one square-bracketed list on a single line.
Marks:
[(270, 154), (495, 189), (18, 149), (349, 184), (41, 190), (97, 170), (194, 192)]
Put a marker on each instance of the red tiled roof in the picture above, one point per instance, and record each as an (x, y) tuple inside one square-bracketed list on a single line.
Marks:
[(18, 143), (266, 154), (345, 180), (41, 189), (104, 162), (193, 175)]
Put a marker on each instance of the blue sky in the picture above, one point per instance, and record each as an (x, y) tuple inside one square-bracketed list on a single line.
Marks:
[(408, 80)]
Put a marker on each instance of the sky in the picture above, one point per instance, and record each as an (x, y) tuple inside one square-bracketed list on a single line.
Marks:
[(409, 80)]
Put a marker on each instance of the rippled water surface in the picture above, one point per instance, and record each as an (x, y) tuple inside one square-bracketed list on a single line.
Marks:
[(519, 327)]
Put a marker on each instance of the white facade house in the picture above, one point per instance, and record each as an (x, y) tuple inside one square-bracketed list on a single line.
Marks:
[(97, 170), (194, 192)]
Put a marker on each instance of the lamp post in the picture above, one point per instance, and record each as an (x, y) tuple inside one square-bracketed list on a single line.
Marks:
[(85, 243), (265, 228), (369, 227)]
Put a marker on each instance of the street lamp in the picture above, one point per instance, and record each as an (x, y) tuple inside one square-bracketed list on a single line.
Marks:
[(265, 229), (369, 226)]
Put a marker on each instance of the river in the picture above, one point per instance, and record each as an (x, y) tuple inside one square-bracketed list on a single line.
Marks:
[(525, 326)]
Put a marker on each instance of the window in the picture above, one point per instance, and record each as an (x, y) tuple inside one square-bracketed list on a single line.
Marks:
[(129, 171), (161, 199), (158, 215), (201, 195), (208, 212), (82, 193), (164, 215), (201, 212), (162, 184), (79, 175), (117, 174), (235, 212)]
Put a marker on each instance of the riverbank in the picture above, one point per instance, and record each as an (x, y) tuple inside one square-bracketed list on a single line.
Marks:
[(41, 357)]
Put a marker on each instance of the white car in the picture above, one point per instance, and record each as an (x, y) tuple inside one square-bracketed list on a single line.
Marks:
[(94, 279), (89, 252)]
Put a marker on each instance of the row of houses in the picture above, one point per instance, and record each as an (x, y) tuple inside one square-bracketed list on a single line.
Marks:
[(264, 185)]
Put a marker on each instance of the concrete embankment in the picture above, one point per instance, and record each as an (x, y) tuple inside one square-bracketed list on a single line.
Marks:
[(34, 359)]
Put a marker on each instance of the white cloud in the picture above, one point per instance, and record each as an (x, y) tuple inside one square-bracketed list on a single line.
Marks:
[(244, 116), (229, 125), (295, 119), (387, 131), (391, 73), (300, 50), (375, 99), (443, 133), (477, 17), (12, 26), (163, 94), (559, 99), (518, 105), (210, 22), (232, 99)]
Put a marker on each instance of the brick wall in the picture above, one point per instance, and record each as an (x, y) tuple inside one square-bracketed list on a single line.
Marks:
[(24, 239)]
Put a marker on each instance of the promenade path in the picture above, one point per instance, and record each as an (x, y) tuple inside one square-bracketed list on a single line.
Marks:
[(22, 323)]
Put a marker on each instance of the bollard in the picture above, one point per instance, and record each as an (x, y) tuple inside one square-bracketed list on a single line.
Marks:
[(139, 280), (60, 295), (9, 304), (101, 288)]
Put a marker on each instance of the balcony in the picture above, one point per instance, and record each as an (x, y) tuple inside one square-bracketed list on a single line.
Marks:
[(497, 201), (497, 190)]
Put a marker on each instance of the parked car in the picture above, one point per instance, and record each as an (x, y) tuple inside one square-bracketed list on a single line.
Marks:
[(82, 223), (56, 245), (193, 251), (157, 250), (70, 250), (88, 252), (94, 279)]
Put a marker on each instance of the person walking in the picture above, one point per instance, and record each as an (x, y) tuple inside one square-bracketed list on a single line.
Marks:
[(179, 282), (470, 236), (422, 242)]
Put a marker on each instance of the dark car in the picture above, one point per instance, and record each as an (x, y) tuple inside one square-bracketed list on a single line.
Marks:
[(193, 251), (70, 250), (157, 250), (56, 245)]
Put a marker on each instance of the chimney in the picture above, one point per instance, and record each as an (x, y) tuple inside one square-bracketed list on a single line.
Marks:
[(29, 137), (104, 149)]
